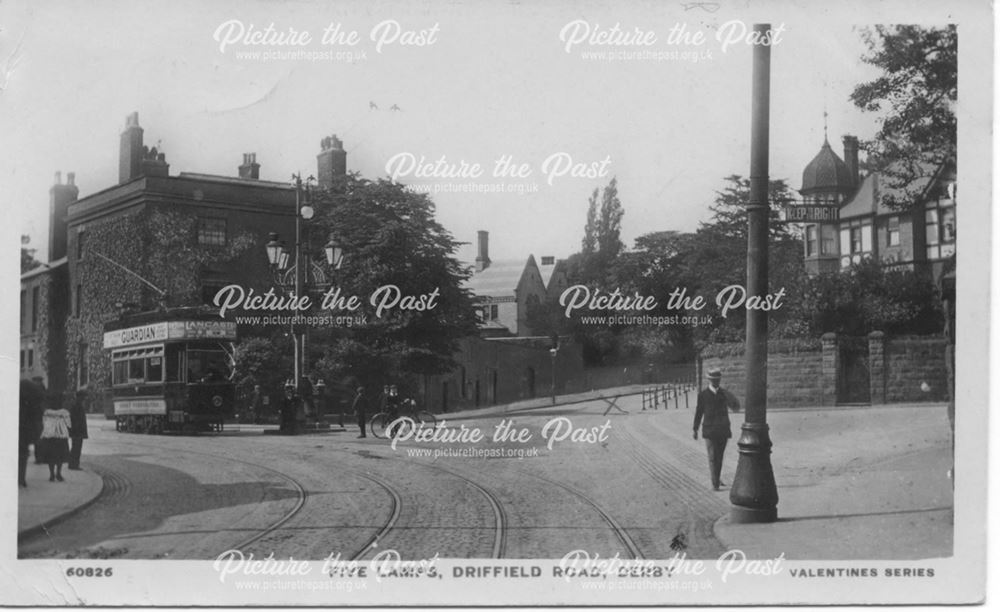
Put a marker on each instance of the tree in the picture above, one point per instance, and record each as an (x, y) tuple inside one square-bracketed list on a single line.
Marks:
[(264, 361), (916, 94), (393, 248), (601, 236), (28, 261), (712, 258), (718, 255)]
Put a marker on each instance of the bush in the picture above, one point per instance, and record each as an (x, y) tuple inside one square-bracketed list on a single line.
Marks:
[(869, 297)]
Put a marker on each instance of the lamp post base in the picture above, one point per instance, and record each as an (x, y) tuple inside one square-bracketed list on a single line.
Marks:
[(754, 494)]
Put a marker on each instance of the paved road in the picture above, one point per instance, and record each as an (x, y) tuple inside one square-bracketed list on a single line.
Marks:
[(642, 490)]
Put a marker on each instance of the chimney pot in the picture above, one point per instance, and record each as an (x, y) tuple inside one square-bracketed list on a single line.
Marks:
[(71, 178), (483, 258), (331, 161), (58, 179), (131, 150), (851, 158), (250, 168)]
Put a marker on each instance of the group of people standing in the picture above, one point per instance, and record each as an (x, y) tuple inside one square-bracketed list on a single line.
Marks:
[(49, 426)]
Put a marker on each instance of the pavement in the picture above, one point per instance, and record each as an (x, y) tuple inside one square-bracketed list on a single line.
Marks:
[(892, 500), (42, 503), (842, 473)]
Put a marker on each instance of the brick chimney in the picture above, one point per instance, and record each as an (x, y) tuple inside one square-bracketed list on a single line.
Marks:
[(131, 151), (851, 158), (60, 197), (250, 168), (483, 258), (154, 163), (331, 161)]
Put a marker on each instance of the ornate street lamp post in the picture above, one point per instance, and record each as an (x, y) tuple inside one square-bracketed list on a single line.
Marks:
[(754, 494), (304, 274)]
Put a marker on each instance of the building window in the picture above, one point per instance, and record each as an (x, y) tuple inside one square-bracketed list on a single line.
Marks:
[(855, 242), (24, 308), (35, 298), (212, 232), (940, 226), (487, 313), (82, 370), (811, 240), (829, 235), (892, 234), (80, 239), (947, 225), (31, 358), (79, 300)]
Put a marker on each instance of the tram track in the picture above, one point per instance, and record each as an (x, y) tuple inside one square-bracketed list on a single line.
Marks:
[(499, 546), (395, 511), (619, 531), (680, 485)]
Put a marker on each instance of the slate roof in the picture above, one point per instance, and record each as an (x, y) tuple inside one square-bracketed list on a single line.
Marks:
[(826, 172), (546, 272), (500, 279), (874, 189)]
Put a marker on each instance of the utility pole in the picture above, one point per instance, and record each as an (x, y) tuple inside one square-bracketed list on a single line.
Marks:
[(754, 494)]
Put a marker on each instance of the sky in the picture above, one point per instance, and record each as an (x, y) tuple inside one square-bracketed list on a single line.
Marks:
[(490, 80)]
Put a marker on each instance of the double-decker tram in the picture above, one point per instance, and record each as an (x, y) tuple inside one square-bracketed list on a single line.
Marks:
[(171, 371)]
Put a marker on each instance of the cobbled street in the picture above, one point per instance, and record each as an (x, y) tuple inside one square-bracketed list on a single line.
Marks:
[(642, 491)]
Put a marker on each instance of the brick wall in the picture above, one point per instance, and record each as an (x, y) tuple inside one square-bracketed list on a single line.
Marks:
[(911, 361), (801, 373)]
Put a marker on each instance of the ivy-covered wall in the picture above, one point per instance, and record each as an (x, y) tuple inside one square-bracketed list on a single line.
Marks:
[(158, 242), (45, 340)]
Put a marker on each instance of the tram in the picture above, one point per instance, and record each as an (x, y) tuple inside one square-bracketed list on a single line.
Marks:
[(171, 371)]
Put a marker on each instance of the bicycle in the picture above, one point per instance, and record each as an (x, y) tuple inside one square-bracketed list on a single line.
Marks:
[(380, 423)]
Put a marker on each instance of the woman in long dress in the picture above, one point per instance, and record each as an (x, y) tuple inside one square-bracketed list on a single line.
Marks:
[(53, 446)]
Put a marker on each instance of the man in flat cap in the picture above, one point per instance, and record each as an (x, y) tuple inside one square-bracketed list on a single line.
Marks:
[(712, 414)]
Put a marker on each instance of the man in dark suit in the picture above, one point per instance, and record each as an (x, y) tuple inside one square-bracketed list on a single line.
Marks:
[(712, 414), (77, 428)]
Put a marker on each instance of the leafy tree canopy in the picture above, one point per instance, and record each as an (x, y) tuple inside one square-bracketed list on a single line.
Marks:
[(391, 238), (915, 95)]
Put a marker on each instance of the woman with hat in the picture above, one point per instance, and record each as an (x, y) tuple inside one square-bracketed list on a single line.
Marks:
[(712, 414)]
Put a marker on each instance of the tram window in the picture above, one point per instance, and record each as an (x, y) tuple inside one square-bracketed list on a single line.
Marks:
[(174, 368), (136, 371), (207, 366), (137, 366), (154, 369), (119, 373)]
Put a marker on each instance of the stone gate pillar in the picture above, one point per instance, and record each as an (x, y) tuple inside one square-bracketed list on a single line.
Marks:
[(831, 359), (876, 367)]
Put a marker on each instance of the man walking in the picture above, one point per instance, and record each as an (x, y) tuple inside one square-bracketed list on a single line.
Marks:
[(712, 414)]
